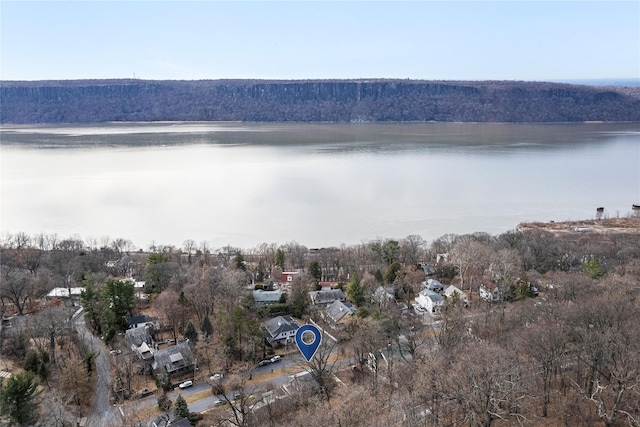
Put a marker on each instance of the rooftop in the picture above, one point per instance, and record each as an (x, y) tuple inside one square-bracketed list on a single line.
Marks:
[(280, 324), (173, 358)]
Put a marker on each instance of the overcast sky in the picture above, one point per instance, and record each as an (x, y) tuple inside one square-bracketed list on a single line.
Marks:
[(453, 40)]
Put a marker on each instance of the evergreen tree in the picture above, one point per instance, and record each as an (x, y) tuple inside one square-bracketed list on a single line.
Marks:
[(355, 290), (315, 271), (191, 334), (157, 273), (163, 382), (239, 262), (299, 298), (593, 268), (206, 328), (182, 299), (90, 300), (18, 398), (118, 299), (279, 261), (31, 361), (392, 272), (181, 409)]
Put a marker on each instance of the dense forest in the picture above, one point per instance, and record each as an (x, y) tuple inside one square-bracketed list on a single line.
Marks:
[(93, 101), (560, 346)]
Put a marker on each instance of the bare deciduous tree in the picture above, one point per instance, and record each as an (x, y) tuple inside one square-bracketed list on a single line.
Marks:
[(483, 385)]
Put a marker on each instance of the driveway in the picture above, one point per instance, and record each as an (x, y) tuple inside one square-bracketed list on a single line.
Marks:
[(102, 412)]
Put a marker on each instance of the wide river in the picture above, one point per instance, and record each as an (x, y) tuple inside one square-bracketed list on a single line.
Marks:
[(317, 184)]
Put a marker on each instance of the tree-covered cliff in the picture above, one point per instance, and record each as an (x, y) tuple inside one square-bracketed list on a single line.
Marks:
[(86, 101)]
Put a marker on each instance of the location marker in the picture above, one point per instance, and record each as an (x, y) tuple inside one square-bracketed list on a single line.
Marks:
[(308, 339)]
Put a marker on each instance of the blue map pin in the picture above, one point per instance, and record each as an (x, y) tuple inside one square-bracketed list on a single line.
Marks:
[(308, 349)]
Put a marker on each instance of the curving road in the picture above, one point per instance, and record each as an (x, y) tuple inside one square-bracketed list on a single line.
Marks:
[(102, 412)]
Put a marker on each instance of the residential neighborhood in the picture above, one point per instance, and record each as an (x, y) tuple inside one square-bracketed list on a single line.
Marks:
[(176, 330)]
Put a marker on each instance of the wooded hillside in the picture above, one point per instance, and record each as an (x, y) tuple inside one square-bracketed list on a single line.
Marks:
[(90, 101), (557, 344)]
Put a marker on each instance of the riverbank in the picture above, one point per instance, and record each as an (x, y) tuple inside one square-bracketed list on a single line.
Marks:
[(603, 226)]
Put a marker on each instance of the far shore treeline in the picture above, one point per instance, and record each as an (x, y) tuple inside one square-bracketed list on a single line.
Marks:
[(365, 100)]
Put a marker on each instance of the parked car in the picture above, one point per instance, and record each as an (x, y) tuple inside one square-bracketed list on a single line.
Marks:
[(115, 351), (218, 402), (216, 377), (275, 359), (264, 362), (186, 384)]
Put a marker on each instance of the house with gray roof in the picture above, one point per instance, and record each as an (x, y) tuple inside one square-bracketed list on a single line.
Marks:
[(184, 422), (382, 296), (175, 359), (453, 292), (433, 285), (280, 330), (141, 341), (142, 320), (262, 297), (324, 297), (338, 313), (137, 336), (431, 301)]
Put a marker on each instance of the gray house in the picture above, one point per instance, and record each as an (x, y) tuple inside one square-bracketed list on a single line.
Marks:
[(267, 297), (433, 285), (141, 321), (280, 330), (326, 297), (141, 341), (175, 360), (338, 313)]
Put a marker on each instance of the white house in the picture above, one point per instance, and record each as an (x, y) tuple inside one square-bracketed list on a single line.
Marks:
[(490, 294), (431, 301), (280, 330), (382, 296), (65, 293), (452, 291)]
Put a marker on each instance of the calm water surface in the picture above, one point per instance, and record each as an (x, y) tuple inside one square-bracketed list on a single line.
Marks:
[(320, 185)]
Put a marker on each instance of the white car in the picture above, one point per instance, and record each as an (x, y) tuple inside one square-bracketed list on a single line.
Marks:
[(186, 384), (275, 359), (216, 377)]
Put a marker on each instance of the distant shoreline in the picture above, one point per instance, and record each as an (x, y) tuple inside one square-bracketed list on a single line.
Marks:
[(600, 226), (315, 101)]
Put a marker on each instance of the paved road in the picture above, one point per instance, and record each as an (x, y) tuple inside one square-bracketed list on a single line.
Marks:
[(102, 412)]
